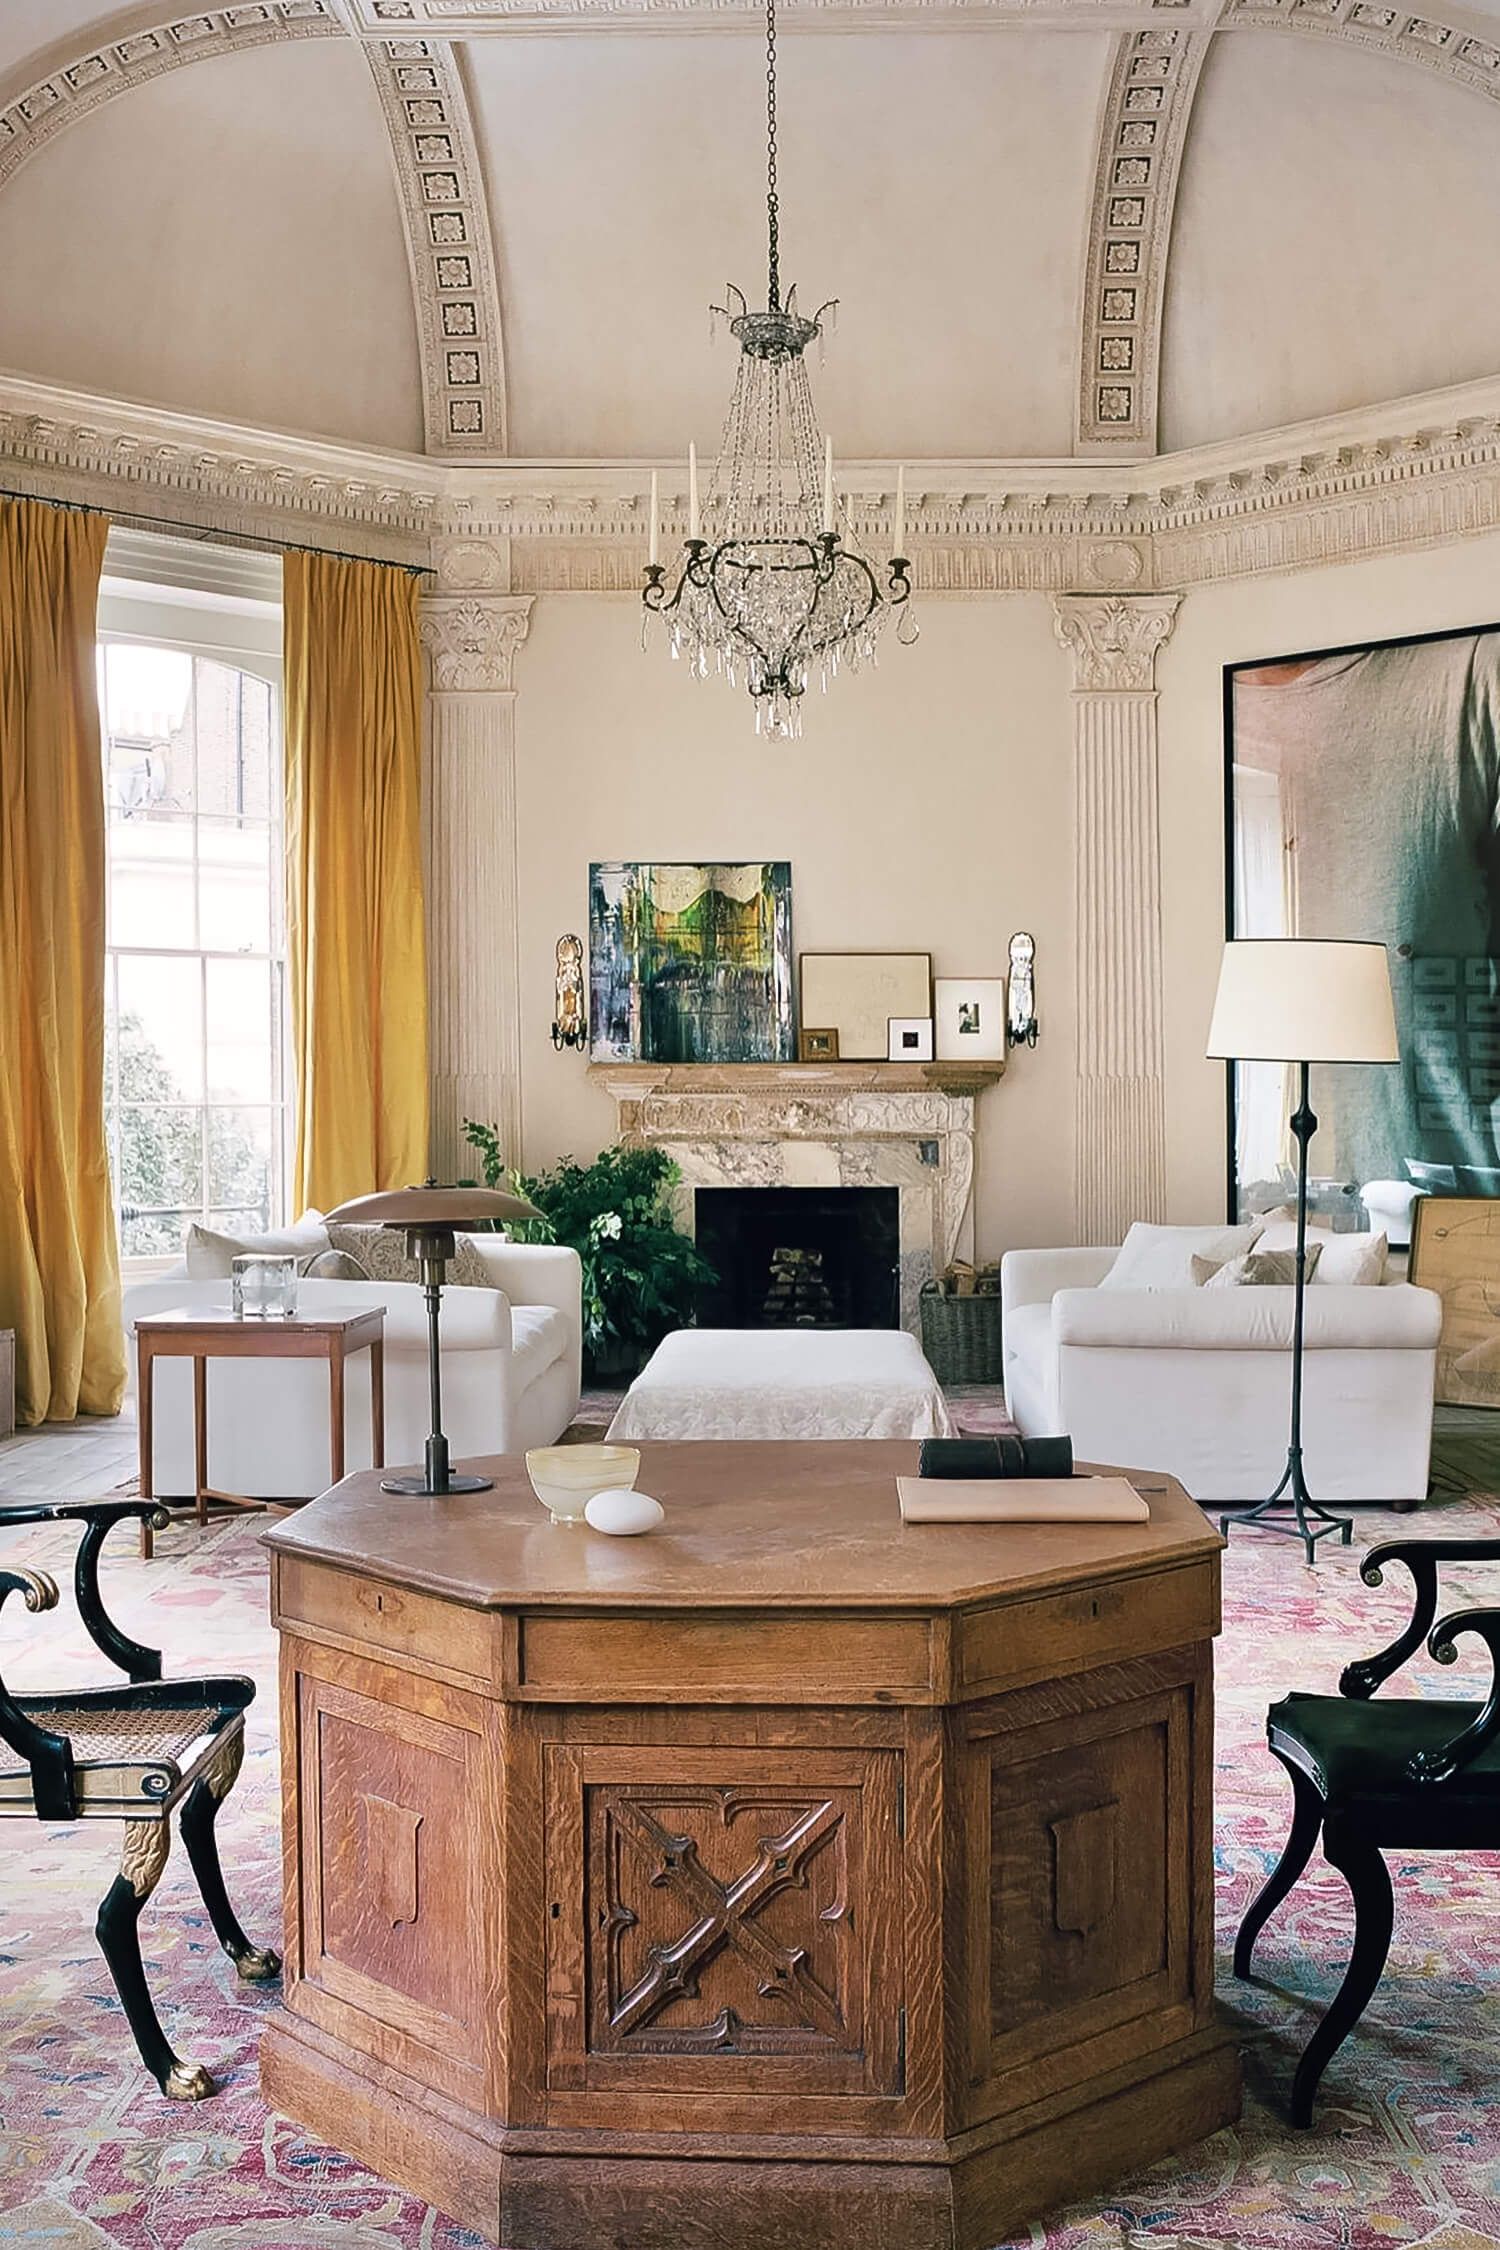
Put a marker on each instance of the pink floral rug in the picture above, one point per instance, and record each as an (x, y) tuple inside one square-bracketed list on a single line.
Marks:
[(1407, 2144)]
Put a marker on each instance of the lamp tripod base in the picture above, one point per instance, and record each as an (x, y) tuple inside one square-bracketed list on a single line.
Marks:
[(437, 1481), (1308, 1521)]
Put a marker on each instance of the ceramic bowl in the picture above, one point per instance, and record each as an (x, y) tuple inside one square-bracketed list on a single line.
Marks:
[(566, 1477)]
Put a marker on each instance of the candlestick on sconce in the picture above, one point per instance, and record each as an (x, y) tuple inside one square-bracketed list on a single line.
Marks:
[(655, 519), (898, 528), (692, 492), (828, 485)]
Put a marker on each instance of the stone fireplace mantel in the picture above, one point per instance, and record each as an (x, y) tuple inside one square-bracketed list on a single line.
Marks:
[(819, 1125)]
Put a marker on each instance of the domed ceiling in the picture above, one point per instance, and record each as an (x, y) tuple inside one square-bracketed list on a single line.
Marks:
[(1054, 227)]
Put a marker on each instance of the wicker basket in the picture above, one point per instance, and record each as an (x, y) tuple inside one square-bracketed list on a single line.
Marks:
[(961, 1337)]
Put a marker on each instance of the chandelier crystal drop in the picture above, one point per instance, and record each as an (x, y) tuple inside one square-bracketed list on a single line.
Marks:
[(772, 587)]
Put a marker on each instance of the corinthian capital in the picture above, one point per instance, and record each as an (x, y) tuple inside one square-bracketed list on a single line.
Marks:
[(471, 640), (1113, 638)]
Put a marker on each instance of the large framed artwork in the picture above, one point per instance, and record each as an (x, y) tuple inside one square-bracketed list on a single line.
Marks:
[(1363, 801), (691, 962)]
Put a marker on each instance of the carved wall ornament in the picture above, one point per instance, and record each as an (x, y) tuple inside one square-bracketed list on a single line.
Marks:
[(35, 112), (471, 642), (473, 19), (1430, 41), (1113, 638), (1142, 130)]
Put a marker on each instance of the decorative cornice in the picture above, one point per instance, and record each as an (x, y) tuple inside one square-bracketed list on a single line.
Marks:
[(477, 19), (1113, 638), (445, 212), (1142, 130), (35, 109), (1374, 480), (471, 641), (1434, 42)]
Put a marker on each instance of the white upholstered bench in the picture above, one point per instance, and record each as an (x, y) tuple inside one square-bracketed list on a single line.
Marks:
[(785, 1383)]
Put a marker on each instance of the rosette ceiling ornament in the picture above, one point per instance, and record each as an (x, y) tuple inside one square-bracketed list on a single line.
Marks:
[(772, 587)]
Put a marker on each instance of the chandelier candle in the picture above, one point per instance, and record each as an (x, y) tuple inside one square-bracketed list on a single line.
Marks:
[(771, 585)]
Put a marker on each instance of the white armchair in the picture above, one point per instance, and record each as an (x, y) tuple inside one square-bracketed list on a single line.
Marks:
[(512, 1359), (1197, 1382)]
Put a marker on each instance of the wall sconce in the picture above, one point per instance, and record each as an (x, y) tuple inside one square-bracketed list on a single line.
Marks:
[(570, 1020), (1021, 1026)]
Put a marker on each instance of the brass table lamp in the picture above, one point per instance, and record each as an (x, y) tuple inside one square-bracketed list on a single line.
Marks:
[(429, 1216)]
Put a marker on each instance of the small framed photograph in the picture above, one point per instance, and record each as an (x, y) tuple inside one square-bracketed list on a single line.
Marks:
[(910, 1039), (817, 1046), (970, 1019)]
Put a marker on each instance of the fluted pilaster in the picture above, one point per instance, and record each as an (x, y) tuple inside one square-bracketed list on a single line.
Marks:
[(1121, 1141), (473, 926)]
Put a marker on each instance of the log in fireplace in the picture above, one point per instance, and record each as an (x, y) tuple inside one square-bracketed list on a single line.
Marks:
[(792, 1257)]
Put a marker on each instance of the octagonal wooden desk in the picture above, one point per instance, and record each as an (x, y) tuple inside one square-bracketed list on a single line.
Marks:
[(788, 1877)]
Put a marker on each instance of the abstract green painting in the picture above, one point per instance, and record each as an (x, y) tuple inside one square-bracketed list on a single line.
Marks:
[(691, 962)]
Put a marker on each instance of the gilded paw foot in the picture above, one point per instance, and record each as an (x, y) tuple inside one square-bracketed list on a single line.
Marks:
[(188, 2082), (255, 1967)]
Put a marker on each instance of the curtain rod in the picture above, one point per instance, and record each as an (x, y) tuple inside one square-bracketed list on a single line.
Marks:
[(248, 539)]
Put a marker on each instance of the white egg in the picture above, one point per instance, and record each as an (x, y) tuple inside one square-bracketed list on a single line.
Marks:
[(623, 1513)]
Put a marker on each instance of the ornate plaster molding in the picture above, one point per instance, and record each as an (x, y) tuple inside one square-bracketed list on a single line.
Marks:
[(1113, 638), (471, 641), (1142, 130), (445, 212), (477, 19), (1434, 42), (36, 110)]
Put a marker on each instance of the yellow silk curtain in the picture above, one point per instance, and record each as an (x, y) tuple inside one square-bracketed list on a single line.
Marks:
[(356, 945), (59, 1259)]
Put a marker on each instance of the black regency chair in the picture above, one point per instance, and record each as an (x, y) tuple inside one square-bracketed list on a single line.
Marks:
[(1402, 1775), (133, 1753)]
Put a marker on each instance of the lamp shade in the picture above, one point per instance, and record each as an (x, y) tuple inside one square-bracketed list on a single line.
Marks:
[(432, 1206), (1304, 1000)]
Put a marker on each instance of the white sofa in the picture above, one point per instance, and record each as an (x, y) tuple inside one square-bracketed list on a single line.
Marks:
[(511, 1364), (1198, 1381)]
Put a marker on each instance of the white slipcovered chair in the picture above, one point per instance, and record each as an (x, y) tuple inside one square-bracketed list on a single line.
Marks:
[(511, 1364), (1197, 1382)]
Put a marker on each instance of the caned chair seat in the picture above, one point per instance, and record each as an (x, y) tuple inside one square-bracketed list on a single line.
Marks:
[(1369, 1777), (136, 1750), (137, 1753)]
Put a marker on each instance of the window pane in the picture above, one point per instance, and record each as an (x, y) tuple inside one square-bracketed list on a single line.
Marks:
[(151, 880), (160, 1029), (240, 1166), (160, 1183), (234, 886), (239, 1031)]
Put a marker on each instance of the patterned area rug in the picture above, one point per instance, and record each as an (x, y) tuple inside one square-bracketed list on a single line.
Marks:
[(1407, 2144)]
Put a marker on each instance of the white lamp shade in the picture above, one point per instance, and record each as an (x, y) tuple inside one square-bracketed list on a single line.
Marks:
[(1304, 1000)]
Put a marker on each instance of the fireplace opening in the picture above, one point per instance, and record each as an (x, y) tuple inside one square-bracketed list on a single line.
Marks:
[(800, 1257)]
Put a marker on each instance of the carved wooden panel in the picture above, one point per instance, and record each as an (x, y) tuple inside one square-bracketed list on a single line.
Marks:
[(390, 1880), (716, 1912), (1079, 1839)]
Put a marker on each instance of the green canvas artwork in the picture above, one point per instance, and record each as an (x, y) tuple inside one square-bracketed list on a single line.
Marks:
[(691, 962)]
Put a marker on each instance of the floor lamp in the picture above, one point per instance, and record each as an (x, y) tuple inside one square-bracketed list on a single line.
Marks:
[(428, 1216), (1302, 1000)]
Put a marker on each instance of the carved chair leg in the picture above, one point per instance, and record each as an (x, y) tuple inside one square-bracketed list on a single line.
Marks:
[(1307, 1819), (198, 1816), (1369, 1883), (147, 1843)]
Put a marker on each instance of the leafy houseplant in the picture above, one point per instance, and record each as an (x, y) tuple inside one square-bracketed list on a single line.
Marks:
[(641, 1274)]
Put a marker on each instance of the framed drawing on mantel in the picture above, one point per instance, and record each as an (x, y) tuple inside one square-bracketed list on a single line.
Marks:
[(857, 994), (691, 961), (1455, 1249)]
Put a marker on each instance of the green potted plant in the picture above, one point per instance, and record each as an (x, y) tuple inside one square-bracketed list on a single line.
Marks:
[(641, 1273)]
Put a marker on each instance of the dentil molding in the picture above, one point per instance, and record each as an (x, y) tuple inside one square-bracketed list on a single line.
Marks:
[(471, 641), (1113, 638)]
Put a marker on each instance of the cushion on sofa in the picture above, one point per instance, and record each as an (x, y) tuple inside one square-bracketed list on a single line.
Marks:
[(1153, 1257), (1257, 1269), (1349, 1261), (210, 1255), (381, 1251), (539, 1338)]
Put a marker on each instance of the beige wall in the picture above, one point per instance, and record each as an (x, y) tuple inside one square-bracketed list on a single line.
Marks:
[(928, 805)]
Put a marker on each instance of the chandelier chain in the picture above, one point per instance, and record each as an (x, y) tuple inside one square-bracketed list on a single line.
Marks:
[(773, 205)]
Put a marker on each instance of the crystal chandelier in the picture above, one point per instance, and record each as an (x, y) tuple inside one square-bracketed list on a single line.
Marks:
[(772, 586)]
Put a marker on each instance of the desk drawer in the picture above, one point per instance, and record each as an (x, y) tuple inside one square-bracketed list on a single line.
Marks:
[(1078, 1627), (361, 1613)]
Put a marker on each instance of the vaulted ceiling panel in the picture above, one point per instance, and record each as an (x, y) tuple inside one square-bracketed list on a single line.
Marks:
[(1335, 237), (934, 182), (224, 238)]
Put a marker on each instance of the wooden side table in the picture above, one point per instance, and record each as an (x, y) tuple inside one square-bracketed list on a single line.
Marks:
[(201, 1334)]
